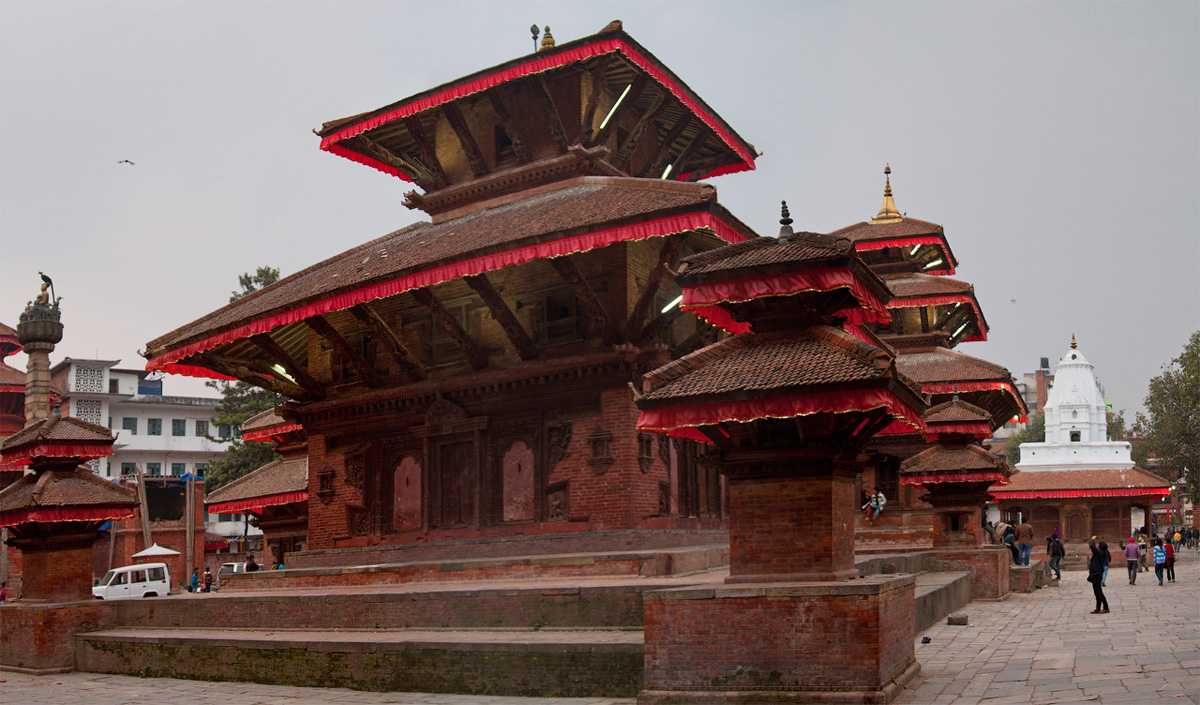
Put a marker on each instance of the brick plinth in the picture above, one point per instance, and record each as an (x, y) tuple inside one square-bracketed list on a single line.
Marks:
[(790, 529), (39, 638), (61, 572), (780, 643), (989, 568)]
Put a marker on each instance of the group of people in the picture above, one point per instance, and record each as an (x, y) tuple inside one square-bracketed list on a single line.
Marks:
[(1018, 539), (205, 584), (1162, 549)]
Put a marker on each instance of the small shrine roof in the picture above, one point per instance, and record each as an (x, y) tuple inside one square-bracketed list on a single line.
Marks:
[(59, 489), (9, 343), (751, 363), (946, 366), (576, 215), (265, 424), (955, 411), (1049, 484), (941, 459), (764, 252), (11, 379), (917, 285), (58, 437), (277, 482)]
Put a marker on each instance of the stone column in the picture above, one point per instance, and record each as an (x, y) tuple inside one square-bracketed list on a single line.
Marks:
[(37, 381)]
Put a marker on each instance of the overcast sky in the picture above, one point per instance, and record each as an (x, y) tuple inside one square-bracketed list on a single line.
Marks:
[(1057, 143)]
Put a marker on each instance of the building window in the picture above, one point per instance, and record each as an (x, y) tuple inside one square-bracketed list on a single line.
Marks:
[(223, 430), (128, 469), (201, 429), (113, 386), (89, 379), (88, 410), (201, 468), (178, 427), (178, 469), (154, 427), (561, 316), (129, 424), (227, 517), (153, 468), (1074, 436)]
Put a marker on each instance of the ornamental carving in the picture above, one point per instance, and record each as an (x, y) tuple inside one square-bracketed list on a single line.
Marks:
[(556, 502), (645, 451), (325, 484), (444, 417), (558, 443), (356, 472), (664, 499), (664, 450), (600, 442), (358, 521)]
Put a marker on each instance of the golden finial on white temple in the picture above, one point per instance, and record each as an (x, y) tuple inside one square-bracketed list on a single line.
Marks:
[(887, 214), (1073, 345)]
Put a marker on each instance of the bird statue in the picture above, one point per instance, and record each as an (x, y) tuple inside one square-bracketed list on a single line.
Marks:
[(48, 283)]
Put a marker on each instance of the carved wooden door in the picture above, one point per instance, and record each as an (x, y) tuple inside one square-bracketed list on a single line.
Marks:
[(456, 474)]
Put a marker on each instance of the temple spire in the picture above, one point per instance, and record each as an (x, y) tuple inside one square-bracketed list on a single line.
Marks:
[(887, 214), (1073, 345), (785, 222)]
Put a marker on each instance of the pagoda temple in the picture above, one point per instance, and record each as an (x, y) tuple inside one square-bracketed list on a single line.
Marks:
[(467, 377), (1077, 481)]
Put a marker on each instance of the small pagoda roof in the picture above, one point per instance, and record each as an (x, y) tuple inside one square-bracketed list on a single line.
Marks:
[(265, 424), (904, 233), (277, 482), (57, 437), (11, 379), (390, 131), (969, 463), (912, 289), (77, 495), (914, 285), (9, 343), (955, 411), (942, 371), (1055, 484), (578, 215)]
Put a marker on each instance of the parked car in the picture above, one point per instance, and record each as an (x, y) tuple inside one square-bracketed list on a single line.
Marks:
[(132, 581), (225, 570)]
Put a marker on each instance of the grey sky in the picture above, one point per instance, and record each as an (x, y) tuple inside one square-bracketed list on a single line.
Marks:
[(1058, 143)]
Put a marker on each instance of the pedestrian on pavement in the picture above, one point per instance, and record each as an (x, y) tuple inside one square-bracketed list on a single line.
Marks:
[(251, 566), (208, 578), (1160, 559), (1024, 541), (3, 592), (195, 586), (1145, 549), (1170, 551), (1056, 551), (1001, 529), (1107, 560), (1178, 537), (1096, 577), (1132, 554)]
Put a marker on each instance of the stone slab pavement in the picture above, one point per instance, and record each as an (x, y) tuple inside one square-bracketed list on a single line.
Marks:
[(1042, 648)]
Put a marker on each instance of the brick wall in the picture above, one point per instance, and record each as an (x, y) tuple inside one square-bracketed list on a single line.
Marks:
[(58, 575), (39, 637), (989, 567)]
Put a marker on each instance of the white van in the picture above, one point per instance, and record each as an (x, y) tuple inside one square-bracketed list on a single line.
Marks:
[(130, 581)]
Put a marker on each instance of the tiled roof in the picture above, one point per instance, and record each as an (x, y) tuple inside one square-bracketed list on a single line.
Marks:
[(582, 205), (60, 489), (762, 362), (263, 419), (54, 430), (906, 227), (276, 477), (914, 285), (10, 377), (763, 251), (1042, 480), (940, 459), (956, 411), (8, 341), (942, 365)]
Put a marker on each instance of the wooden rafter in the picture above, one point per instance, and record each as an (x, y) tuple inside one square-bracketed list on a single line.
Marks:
[(681, 162), (635, 92), (428, 154), (501, 102), (384, 332), (713, 434), (242, 369), (644, 124), (542, 91), (458, 123), (503, 315), (475, 354), (699, 170), (420, 174), (599, 76), (641, 308), (325, 329), (294, 369), (664, 320), (656, 165), (596, 320)]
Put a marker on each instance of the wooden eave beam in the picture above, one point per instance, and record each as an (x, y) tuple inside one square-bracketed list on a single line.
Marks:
[(503, 315), (596, 319), (666, 258), (325, 329), (295, 370), (458, 123), (599, 76), (421, 175), (475, 354), (239, 369), (655, 165), (428, 154), (500, 102), (383, 331), (662, 322), (635, 92), (553, 121), (644, 124), (681, 162), (719, 439)]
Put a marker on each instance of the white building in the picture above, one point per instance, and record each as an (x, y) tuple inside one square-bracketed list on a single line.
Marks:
[(1076, 423), (163, 435)]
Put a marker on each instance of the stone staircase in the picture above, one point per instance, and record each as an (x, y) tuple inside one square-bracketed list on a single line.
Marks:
[(504, 634)]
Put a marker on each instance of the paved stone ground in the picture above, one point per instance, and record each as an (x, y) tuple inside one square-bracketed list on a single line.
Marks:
[(1043, 648)]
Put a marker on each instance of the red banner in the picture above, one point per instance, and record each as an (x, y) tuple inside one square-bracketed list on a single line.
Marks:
[(265, 434), (256, 503)]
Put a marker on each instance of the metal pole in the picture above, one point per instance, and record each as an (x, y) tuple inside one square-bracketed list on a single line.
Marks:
[(190, 528), (145, 508)]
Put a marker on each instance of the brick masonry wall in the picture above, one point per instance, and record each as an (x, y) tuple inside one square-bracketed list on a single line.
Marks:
[(59, 576), (989, 566), (39, 637), (840, 636)]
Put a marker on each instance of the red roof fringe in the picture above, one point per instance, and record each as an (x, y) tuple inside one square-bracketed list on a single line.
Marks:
[(257, 503), (83, 451), (1059, 494), (909, 242), (45, 514)]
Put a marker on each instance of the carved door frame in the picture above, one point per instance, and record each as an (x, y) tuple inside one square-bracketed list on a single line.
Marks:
[(447, 423)]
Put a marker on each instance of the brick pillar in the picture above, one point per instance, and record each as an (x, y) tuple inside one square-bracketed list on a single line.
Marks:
[(37, 381), (58, 569)]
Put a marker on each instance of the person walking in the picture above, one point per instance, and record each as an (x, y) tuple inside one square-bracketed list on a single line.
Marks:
[(1160, 559), (1096, 577), (208, 579), (1024, 541), (195, 585), (1169, 550), (1132, 554), (1107, 560), (1056, 552)]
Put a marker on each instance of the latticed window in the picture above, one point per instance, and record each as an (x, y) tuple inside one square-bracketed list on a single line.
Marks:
[(88, 410), (89, 379)]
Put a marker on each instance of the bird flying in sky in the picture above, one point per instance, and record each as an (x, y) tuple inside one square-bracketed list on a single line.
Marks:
[(126, 161)]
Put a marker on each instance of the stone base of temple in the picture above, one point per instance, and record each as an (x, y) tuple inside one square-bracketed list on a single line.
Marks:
[(990, 568), (38, 638), (780, 642), (58, 573)]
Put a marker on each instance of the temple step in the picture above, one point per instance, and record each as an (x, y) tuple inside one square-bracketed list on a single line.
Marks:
[(528, 662), (938, 595)]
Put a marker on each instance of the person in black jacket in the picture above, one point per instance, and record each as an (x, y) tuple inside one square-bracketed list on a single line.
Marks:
[(1096, 577), (1056, 552)]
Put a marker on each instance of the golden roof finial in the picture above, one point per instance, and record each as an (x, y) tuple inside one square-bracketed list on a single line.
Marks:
[(547, 38), (887, 214), (1073, 345)]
